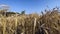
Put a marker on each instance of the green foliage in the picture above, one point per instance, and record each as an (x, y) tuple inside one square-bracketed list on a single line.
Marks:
[(23, 12)]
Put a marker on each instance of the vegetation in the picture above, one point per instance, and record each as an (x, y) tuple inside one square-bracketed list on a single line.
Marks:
[(23, 12), (15, 23)]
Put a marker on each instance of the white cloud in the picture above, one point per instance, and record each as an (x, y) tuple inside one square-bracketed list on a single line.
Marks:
[(4, 6)]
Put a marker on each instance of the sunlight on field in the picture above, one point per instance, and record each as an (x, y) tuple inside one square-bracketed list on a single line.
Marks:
[(47, 23)]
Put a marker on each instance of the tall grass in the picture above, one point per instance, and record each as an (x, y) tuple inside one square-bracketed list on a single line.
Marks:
[(47, 23)]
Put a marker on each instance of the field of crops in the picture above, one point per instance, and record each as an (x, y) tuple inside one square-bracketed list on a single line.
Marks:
[(47, 23)]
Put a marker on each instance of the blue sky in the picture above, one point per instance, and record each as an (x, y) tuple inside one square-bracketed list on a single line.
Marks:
[(31, 6)]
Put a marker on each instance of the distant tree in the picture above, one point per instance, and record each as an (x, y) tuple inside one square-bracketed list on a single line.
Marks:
[(42, 12), (23, 12)]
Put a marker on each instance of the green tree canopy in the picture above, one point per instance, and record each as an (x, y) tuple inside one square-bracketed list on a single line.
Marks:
[(23, 12)]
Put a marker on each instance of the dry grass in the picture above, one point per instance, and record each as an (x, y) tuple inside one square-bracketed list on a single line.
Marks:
[(48, 23)]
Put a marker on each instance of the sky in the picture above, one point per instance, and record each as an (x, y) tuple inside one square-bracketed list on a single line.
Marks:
[(30, 6)]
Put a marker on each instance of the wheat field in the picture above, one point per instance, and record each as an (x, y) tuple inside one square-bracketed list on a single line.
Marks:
[(48, 23)]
